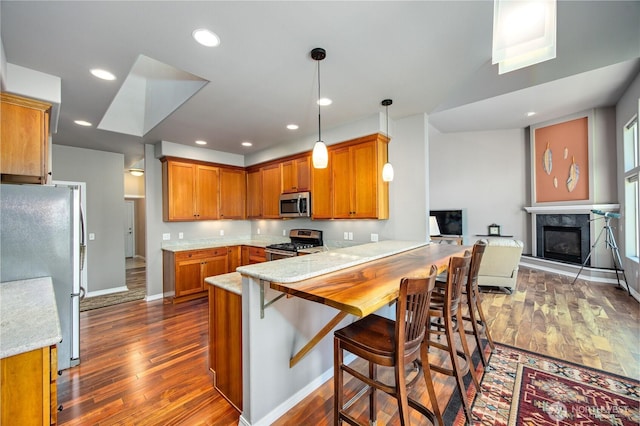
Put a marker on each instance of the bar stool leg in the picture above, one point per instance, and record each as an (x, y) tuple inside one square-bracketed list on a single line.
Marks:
[(338, 378)]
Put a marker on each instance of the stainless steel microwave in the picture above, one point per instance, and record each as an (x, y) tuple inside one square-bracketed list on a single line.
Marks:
[(297, 204)]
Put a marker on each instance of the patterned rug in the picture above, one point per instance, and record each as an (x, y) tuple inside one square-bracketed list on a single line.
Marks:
[(136, 283), (523, 388)]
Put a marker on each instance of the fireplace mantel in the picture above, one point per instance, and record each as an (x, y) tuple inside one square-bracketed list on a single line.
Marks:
[(572, 209)]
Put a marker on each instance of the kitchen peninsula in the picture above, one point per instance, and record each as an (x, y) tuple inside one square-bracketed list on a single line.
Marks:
[(328, 287)]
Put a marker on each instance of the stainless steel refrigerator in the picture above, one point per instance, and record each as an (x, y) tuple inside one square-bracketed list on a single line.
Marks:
[(42, 235)]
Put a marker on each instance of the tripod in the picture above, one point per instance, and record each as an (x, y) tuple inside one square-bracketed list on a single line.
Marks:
[(610, 242)]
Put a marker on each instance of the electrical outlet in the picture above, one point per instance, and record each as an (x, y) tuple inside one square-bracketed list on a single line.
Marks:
[(346, 235), (374, 238), (350, 236), (166, 237), (258, 231), (180, 235), (284, 232), (92, 236), (222, 232)]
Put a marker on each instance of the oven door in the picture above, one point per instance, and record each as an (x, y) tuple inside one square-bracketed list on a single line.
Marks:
[(274, 254)]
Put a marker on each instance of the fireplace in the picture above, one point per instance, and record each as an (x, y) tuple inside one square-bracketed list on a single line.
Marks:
[(563, 237), (562, 243)]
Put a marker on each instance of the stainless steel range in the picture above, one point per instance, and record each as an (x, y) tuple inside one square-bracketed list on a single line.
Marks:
[(301, 239)]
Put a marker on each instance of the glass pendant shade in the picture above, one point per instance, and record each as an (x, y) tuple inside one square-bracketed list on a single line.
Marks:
[(387, 169), (387, 172), (320, 156)]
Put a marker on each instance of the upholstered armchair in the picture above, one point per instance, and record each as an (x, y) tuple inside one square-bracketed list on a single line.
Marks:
[(499, 265)]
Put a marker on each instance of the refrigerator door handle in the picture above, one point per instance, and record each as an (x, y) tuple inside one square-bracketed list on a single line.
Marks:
[(82, 293)]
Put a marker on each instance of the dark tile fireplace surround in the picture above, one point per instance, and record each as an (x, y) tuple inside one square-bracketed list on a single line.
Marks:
[(563, 237)]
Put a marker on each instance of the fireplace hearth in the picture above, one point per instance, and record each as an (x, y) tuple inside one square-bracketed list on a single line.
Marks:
[(563, 237)]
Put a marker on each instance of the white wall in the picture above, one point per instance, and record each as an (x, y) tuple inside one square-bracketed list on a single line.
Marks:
[(102, 171), (485, 173), (628, 106)]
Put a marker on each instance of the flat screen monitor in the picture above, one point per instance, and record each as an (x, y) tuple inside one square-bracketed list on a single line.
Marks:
[(450, 222)]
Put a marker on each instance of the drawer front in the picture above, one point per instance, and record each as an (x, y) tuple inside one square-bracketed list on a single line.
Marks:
[(201, 253), (256, 255), (256, 251)]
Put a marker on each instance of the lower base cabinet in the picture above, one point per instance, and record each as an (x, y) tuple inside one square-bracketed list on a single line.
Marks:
[(28, 392), (184, 272), (225, 343)]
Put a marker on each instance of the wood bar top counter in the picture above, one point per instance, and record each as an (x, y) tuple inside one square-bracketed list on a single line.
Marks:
[(365, 288)]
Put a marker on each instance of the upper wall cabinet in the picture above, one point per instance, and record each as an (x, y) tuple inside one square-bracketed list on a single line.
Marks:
[(201, 191), (296, 174), (271, 190), (24, 151), (352, 187), (233, 193), (254, 194), (189, 191)]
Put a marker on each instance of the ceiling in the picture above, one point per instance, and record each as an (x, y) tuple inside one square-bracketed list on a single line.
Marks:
[(430, 57)]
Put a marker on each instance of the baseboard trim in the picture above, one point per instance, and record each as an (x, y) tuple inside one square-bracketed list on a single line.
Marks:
[(606, 276), (107, 291), (154, 297), (287, 405)]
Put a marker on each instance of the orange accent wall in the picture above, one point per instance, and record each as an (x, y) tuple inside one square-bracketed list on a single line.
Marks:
[(572, 138)]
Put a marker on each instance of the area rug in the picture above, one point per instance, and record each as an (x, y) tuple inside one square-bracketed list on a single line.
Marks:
[(523, 388), (136, 283)]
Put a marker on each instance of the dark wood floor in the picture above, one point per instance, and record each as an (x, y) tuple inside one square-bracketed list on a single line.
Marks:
[(146, 363)]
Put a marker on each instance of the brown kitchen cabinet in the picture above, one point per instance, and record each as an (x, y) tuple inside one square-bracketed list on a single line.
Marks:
[(189, 191), (321, 196), (225, 343), (233, 193), (24, 151), (254, 194), (29, 390), (251, 255), (358, 191), (234, 258), (184, 271), (271, 190), (296, 174)]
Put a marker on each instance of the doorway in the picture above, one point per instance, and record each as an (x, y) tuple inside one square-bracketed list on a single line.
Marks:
[(129, 229)]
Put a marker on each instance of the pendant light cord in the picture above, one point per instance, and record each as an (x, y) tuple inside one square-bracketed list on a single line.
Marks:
[(387, 115), (319, 127)]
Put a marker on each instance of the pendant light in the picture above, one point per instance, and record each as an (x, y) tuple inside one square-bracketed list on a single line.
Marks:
[(320, 155), (387, 169)]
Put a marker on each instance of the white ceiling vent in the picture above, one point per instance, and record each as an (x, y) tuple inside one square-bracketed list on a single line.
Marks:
[(149, 94)]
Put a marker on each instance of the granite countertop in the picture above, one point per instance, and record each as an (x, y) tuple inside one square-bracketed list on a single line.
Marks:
[(231, 282), (300, 268), (29, 316), (255, 241)]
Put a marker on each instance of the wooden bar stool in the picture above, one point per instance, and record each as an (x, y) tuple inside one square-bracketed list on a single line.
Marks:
[(475, 314), (388, 343), (445, 319)]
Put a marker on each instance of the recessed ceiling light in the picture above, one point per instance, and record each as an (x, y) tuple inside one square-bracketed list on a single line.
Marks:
[(83, 123), (324, 101), (530, 113), (247, 143), (292, 126), (201, 142), (103, 74), (206, 37)]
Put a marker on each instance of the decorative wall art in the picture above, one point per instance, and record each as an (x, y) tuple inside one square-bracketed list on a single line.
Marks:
[(561, 161)]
